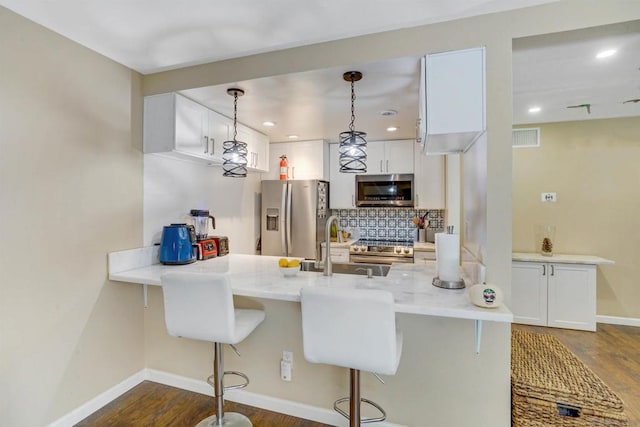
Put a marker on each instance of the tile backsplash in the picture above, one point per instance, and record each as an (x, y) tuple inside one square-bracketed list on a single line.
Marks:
[(389, 223)]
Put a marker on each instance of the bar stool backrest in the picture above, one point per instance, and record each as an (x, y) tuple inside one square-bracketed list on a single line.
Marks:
[(199, 306), (352, 328)]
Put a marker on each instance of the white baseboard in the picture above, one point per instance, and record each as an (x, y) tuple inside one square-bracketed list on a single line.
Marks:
[(274, 404), (614, 320), (283, 406), (88, 408)]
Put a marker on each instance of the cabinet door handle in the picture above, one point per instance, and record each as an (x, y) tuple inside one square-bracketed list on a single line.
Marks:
[(553, 270), (417, 200), (381, 170), (353, 200), (293, 172), (205, 141), (544, 270), (387, 166), (213, 146)]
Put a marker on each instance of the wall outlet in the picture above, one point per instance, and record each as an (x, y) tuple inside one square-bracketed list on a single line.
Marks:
[(285, 370), (549, 197), (287, 356)]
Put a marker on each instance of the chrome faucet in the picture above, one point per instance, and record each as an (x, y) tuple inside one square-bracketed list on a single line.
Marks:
[(327, 271)]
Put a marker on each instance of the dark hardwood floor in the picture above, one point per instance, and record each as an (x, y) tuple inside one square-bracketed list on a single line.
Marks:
[(151, 404), (613, 353)]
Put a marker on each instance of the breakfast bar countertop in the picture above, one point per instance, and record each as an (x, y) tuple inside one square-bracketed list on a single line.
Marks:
[(259, 276)]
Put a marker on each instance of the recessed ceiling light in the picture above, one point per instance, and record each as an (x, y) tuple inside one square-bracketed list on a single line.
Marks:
[(535, 109), (606, 53), (269, 123), (392, 129), (292, 136), (387, 113)]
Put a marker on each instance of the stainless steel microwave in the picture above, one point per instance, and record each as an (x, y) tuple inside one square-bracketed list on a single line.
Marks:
[(390, 190)]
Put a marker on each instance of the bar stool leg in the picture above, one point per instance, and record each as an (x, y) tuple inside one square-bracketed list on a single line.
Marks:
[(354, 398), (218, 388), (230, 419)]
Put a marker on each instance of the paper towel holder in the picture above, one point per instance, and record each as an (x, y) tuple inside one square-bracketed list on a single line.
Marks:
[(448, 284)]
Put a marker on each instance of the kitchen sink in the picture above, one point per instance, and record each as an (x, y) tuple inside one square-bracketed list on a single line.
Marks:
[(346, 268)]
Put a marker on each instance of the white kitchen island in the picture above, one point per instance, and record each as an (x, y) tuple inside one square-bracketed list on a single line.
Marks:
[(259, 277), (440, 365)]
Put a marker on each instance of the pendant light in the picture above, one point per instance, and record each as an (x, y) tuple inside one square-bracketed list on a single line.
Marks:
[(234, 154), (353, 146)]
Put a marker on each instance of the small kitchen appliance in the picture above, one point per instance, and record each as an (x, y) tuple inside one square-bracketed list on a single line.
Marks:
[(201, 222), (177, 244), (222, 243), (208, 246)]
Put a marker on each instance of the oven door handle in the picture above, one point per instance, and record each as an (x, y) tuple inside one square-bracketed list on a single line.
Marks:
[(379, 259)]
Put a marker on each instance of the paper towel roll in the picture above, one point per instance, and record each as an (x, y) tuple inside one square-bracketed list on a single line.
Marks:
[(448, 256)]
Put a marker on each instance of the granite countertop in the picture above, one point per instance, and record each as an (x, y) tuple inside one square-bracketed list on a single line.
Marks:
[(259, 276), (561, 258)]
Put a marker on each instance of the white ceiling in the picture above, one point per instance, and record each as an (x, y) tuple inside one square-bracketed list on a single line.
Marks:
[(551, 71), (555, 71), (154, 35)]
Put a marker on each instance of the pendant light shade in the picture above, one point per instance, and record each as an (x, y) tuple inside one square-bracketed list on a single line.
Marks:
[(234, 154), (353, 145)]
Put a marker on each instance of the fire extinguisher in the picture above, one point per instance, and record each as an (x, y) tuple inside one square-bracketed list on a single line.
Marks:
[(283, 167)]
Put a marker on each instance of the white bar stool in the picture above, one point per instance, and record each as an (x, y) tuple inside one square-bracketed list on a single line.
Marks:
[(200, 306), (355, 329)]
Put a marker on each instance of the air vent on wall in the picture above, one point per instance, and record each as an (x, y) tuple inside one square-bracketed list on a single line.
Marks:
[(525, 137)]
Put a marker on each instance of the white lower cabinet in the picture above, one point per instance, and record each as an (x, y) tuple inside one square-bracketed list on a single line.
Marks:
[(338, 254), (554, 294)]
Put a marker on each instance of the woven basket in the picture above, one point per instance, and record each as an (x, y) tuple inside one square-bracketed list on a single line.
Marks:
[(550, 386)]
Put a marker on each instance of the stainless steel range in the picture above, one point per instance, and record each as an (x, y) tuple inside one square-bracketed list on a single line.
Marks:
[(381, 251)]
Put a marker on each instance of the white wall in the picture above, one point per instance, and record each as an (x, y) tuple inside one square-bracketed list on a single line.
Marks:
[(70, 192), (173, 187)]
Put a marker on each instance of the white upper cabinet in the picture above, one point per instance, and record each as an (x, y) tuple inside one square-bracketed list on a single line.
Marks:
[(176, 125), (257, 148), (429, 181), (390, 157), (305, 160), (342, 186), (454, 100)]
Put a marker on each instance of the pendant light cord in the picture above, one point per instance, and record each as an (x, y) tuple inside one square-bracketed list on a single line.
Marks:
[(353, 100), (235, 116)]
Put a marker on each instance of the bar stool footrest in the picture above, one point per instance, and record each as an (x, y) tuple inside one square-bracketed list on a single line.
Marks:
[(211, 380), (382, 417)]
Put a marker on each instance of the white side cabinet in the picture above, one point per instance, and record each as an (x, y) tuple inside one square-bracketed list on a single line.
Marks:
[(454, 100), (429, 180), (342, 186), (390, 157), (175, 124), (305, 159), (554, 294)]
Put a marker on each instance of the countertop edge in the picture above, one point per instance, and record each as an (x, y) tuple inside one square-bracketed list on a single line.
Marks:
[(561, 258)]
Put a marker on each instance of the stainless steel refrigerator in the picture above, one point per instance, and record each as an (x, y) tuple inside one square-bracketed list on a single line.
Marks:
[(293, 217)]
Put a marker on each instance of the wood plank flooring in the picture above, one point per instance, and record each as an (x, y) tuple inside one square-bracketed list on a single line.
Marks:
[(152, 404), (613, 353)]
